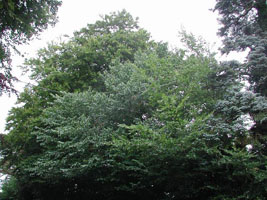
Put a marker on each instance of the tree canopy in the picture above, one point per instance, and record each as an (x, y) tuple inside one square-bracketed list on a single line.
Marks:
[(20, 20), (73, 66), (244, 27), (116, 115)]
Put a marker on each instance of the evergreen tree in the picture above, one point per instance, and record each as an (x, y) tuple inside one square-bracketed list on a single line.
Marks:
[(244, 27)]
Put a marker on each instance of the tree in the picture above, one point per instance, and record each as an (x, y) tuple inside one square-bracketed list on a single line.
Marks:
[(20, 20), (98, 114), (140, 137), (91, 50), (244, 27), (156, 124), (73, 66)]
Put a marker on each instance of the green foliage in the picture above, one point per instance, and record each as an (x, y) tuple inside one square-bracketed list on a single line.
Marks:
[(185, 167), (20, 20), (10, 189), (72, 66), (158, 125), (244, 27)]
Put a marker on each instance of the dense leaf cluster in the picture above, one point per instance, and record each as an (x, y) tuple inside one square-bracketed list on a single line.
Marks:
[(118, 116), (20, 20), (245, 28)]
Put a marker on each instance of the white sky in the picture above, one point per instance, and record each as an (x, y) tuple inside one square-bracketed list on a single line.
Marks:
[(162, 18)]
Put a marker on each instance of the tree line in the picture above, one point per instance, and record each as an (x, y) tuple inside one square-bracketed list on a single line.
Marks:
[(117, 115)]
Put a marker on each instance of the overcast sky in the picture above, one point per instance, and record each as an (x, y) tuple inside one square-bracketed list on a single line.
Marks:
[(162, 18)]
